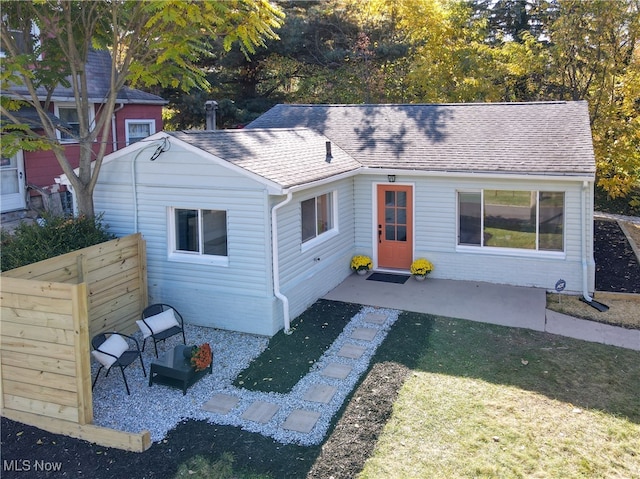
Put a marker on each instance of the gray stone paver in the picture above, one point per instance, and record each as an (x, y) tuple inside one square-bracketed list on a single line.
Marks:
[(351, 351), (320, 393), (364, 334), (301, 421), (221, 403), (336, 370), (260, 411), (375, 318)]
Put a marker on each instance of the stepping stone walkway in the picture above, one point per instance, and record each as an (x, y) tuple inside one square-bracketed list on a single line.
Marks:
[(303, 416)]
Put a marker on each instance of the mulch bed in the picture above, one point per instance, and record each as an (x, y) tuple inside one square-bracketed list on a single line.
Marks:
[(341, 456), (617, 267)]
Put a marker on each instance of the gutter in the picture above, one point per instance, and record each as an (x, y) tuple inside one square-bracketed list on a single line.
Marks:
[(275, 258)]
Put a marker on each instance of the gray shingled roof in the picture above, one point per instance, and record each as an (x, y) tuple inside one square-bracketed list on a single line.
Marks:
[(98, 76), (548, 138), (288, 157)]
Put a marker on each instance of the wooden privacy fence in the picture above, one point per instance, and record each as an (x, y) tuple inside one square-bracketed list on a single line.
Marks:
[(50, 310)]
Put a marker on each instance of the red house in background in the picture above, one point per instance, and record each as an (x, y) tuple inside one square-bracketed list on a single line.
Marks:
[(28, 178)]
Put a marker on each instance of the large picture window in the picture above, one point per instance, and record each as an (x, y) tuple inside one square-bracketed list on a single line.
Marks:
[(531, 220), (200, 232), (317, 216)]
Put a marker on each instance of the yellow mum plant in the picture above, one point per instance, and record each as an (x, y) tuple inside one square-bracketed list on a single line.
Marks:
[(421, 267), (360, 262)]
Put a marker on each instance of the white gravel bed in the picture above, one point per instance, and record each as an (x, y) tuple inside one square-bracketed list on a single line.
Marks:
[(159, 409)]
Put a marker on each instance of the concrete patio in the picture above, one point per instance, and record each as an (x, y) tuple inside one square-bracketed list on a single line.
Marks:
[(476, 301)]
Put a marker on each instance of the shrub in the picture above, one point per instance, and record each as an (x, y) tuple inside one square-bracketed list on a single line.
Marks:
[(52, 236)]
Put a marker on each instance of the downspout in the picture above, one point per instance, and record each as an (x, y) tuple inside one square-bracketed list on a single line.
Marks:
[(276, 263), (114, 133), (585, 266)]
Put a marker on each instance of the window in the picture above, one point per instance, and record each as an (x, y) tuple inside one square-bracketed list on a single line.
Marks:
[(532, 220), (137, 130), (317, 216), (199, 232), (25, 37), (68, 113)]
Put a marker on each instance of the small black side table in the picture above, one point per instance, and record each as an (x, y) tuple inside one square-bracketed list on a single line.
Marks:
[(173, 369)]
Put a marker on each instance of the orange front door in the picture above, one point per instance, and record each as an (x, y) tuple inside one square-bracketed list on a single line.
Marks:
[(395, 226)]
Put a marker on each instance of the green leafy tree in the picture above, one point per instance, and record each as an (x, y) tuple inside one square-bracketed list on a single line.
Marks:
[(595, 53), (151, 44)]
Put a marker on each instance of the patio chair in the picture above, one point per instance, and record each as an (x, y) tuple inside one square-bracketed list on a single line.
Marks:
[(160, 322), (115, 349)]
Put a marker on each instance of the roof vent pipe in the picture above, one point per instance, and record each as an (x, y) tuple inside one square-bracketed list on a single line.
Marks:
[(210, 108), (329, 156)]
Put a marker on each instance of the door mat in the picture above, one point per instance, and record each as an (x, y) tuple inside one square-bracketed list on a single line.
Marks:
[(389, 278)]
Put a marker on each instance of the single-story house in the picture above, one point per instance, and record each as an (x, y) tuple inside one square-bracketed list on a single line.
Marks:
[(246, 228)]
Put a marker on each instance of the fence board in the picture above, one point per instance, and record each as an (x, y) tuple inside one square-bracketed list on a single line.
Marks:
[(130, 289), (30, 287), (44, 393), (45, 319), (43, 378), (35, 303), (111, 257), (40, 363), (62, 268), (107, 282), (49, 335), (35, 406), (39, 348)]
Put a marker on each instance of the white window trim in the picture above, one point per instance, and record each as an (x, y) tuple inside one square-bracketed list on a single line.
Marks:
[(191, 257), (35, 32), (330, 233), (150, 122), (513, 252), (72, 106)]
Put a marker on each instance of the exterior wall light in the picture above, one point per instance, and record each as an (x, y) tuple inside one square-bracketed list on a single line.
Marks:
[(391, 178)]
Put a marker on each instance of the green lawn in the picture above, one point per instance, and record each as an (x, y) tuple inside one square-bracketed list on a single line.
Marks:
[(488, 401), (481, 401)]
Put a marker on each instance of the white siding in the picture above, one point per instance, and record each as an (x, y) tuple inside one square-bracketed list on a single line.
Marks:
[(435, 232), (237, 296), (307, 273)]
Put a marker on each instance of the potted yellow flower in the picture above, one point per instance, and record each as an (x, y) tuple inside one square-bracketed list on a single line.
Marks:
[(361, 264), (420, 268)]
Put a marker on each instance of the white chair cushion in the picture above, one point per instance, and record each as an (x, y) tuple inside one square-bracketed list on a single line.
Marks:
[(158, 323), (116, 345)]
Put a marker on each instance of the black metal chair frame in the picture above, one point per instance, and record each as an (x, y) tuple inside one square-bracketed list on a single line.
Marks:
[(158, 308), (123, 361)]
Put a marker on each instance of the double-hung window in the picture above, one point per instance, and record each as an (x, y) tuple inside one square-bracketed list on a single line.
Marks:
[(198, 235), (67, 112), (137, 130), (317, 216), (530, 220)]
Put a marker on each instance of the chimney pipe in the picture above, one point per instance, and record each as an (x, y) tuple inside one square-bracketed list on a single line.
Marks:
[(210, 108), (329, 155)]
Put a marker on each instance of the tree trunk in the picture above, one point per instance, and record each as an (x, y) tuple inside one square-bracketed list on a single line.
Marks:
[(84, 200)]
